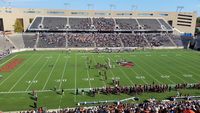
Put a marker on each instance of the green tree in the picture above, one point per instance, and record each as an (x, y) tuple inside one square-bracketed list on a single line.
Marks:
[(198, 20), (18, 27), (197, 31)]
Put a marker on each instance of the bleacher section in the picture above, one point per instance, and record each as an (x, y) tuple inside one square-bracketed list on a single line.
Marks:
[(80, 23), (53, 24), (104, 24), (167, 26), (85, 40), (74, 40), (29, 40), (133, 40), (17, 40), (176, 39), (51, 41), (127, 24), (197, 45), (150, 24), (107, 40), (36, 23), (98, 32), (5, 44)]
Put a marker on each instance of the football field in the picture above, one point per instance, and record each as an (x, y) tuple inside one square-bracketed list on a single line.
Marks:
[(44, 71)]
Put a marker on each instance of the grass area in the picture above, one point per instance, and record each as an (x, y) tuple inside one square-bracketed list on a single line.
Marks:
[(70, 71)]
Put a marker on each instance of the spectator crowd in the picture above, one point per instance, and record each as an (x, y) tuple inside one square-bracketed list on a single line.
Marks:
[(62, 40), (4, 53), (192, 106)]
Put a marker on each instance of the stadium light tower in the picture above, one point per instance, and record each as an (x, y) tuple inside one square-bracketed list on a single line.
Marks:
[(90, 6), (8, 1), (66, 6), (179, 8), (112, 6), (134, 7)]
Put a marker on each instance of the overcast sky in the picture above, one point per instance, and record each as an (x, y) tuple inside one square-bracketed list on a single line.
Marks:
[(142, 5)]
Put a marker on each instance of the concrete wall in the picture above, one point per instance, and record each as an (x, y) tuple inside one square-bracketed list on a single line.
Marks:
[(10, 15)]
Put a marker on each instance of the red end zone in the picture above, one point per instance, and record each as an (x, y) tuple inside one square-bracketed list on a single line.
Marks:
[(128, 65), (11, 65)]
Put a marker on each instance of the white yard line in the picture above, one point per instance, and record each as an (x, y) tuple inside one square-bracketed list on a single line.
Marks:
[(185, 69), (138, 74), (193, 67), (37, 74), (8, 60), (158, 71), (96, 63), (60, 101), (135, 73), (16, 70), (173, 73), (148, 72), (51, 72), (63, 73), (88, 74), (24, 74), (128, 78), (75, 74)]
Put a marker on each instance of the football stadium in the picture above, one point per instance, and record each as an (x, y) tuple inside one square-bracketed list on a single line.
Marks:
[(99, 61)]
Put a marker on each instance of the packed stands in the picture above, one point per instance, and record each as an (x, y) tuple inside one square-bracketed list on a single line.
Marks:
[(62, 40), (80, 23), (99, 24), (52, 40), (80, 40), (151, 106), (133, 40), (104, 24), (186, 104), (4, 53), (157, 40), (54, 23), (127, 24), (107, 40)]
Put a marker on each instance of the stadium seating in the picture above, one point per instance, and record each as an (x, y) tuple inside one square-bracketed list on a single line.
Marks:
[(133, 40), (52, 40), (54, 23), (104, 24), (127, 24), (29, 40), (176, 39), (80, 40), (167, 26), (80, 23), (17, 40), (151, 24), (151, 106), (62, 40), (157, 40), (5, 44), (36, 23), (99, 24)]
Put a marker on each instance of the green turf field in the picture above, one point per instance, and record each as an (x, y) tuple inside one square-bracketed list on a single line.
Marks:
[(70, 71)]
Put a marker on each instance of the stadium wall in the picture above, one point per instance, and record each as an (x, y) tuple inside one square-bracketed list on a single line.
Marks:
[(183, 21)]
